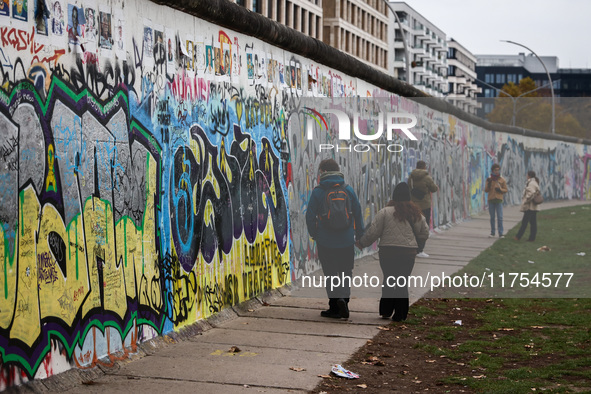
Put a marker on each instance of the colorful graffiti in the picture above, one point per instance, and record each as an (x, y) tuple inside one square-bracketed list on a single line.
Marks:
[(151, 178)]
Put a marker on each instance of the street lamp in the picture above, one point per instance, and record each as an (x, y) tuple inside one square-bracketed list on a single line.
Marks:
[(406, 51), (549, 79)]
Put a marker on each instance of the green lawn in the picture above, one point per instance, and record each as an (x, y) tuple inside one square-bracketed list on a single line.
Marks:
[(522, 344), (518, 269)]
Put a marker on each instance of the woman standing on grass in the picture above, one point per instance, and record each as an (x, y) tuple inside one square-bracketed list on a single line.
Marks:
[(401, 228), (529, 208)]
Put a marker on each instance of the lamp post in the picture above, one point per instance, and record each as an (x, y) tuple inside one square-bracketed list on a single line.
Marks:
[(406, 51), (549, 79)]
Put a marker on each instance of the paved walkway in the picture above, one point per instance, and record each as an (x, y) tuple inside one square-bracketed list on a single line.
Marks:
[(283, 342)]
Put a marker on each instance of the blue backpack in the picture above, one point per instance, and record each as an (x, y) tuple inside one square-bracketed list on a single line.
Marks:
[(335, 212)]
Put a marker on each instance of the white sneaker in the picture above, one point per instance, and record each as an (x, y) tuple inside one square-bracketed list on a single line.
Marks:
[(491, 235), (422, 254), (501, 236)]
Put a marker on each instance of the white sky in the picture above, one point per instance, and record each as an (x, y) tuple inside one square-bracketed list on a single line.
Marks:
[(549, 27)]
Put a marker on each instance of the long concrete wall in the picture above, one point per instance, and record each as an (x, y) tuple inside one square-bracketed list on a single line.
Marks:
[(144, 187)]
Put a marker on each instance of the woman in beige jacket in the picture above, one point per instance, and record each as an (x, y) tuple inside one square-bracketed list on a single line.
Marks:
[(400, 226), (529, 208)]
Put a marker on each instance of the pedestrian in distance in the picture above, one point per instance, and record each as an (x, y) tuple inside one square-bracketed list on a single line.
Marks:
[(421, 187), (401, 228), (334, 221), (529, 207), (496, 187)]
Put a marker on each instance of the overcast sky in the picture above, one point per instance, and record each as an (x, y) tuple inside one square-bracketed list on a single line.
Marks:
[(549, 27)]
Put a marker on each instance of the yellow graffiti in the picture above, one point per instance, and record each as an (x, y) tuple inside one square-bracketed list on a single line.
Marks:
[(104, 261), (50, 181)]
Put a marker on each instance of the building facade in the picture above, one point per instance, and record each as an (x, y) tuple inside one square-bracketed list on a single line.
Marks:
[(358, 28), (461, 76), (304, 16), (427, 49)]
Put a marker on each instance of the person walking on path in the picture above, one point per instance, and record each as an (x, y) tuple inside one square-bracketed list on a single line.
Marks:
[(334, 221), (401, 227), (496, 187), (422, 185), (529, 207)]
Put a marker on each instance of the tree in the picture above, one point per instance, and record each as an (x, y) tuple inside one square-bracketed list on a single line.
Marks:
[(525, 105)]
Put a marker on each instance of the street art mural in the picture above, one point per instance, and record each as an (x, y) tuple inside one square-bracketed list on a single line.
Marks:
[(151, 176)]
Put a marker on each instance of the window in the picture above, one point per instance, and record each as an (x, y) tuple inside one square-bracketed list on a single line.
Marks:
[(256, 6), (489, 93), (500, 78), (489, 78)]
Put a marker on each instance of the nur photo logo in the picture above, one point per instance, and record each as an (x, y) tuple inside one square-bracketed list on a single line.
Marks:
[(346, 127)]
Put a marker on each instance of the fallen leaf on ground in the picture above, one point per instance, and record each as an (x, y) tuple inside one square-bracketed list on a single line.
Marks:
[(297, 369), (234, 349), (324, 376), (363, 386)]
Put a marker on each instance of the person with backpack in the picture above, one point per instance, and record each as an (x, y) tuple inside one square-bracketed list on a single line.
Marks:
[(529, 207), (334, 221), (401, 228), (421, 187)]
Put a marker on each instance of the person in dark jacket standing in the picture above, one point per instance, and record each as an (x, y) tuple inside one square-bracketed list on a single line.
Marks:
[(422, 185), (336, 248)]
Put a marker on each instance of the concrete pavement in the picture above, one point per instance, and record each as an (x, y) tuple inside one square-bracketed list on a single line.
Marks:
[(277, 342)]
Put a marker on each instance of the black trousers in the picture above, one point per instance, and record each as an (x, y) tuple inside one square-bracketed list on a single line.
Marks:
[(397, 264), (529, 217), (427, 215), (337, 262)]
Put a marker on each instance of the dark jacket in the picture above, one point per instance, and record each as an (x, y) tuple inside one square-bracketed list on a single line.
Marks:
[(328, 237), (422, 180)]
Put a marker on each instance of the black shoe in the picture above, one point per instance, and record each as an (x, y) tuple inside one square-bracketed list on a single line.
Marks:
[(397, 319), (331, 314), (343, 308)]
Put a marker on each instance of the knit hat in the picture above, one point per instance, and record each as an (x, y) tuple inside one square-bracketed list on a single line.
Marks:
[(401, 192)]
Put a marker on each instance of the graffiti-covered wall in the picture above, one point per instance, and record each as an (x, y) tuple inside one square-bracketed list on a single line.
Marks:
[(154, 169)]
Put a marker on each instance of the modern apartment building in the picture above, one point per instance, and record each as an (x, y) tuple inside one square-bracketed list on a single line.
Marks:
[(426, 48), (461, 77)]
